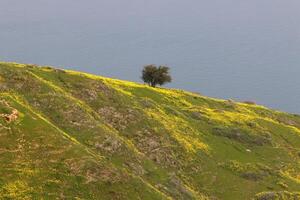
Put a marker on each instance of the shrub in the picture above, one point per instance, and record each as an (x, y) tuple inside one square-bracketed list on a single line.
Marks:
[(47, 68), (32, 66), (60, 70), (249, 171), (249, 102), (242, 136), (282, 184), (284, 195)]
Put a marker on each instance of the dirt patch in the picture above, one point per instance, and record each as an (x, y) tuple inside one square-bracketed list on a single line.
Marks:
[(116, 119), (93, 172), (13, 116), (155, 147), (109, 144)]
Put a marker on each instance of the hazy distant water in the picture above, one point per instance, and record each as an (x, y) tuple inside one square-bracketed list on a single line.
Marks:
[(248, 50)]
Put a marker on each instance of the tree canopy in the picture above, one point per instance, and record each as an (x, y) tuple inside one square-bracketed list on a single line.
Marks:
[(154, 75)]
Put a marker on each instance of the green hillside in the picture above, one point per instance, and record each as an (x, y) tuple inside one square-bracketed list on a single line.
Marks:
[(71, 135)]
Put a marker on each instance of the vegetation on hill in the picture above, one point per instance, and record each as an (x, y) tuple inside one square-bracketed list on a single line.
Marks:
[(71, 135)]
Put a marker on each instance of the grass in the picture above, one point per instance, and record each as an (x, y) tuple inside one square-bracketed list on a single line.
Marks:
[(88, 137)]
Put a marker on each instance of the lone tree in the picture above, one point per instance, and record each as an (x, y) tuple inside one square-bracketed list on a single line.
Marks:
[(153, 75)]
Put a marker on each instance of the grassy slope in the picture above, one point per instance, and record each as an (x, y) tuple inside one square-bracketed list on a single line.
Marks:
[(90, 137)]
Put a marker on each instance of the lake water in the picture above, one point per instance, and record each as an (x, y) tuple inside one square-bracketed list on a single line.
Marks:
[(243, 50)]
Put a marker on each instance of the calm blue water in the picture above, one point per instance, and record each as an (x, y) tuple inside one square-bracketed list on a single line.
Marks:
[(244, 50)]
